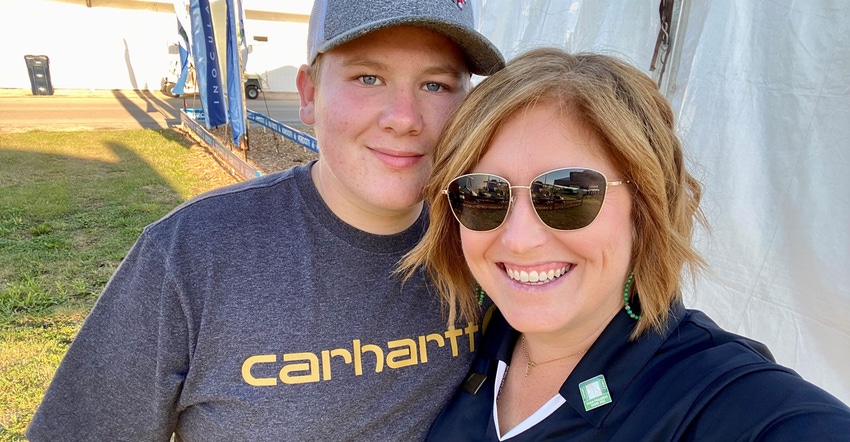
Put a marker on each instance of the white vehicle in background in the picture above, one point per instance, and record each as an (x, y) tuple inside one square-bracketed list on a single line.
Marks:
[(252, 83)]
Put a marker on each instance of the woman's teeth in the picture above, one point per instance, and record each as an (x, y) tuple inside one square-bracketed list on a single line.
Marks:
[(535, 276)]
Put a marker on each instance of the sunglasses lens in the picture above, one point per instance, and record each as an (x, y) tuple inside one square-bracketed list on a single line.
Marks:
[(479, 201), (568, 199)]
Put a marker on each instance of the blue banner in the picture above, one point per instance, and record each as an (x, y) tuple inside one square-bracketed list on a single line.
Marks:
[(287, 132), (206, 63), (235, 104), (183, 48)]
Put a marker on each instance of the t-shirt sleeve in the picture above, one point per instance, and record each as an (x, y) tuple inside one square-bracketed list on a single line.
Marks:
[(122, 375)]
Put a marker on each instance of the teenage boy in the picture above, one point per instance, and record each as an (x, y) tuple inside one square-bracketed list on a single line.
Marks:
[(267, 310)]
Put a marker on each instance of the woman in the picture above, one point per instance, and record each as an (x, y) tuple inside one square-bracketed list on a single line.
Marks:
[(562, 184)]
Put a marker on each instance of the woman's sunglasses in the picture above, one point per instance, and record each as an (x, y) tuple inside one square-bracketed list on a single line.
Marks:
[(564, 199)]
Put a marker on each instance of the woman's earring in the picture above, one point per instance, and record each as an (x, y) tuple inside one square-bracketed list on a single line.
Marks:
[(479, 293), (632, 314)]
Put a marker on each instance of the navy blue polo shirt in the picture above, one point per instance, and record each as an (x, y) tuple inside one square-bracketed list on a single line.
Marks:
[(694, 382)]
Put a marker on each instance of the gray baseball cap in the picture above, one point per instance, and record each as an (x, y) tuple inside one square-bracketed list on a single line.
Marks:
[(334, 22)]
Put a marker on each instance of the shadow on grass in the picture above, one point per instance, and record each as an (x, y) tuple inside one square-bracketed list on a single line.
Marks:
[(153, 104), (67, 219), (66, 222)]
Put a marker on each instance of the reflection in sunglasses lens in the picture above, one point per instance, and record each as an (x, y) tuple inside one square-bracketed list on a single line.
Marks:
[(564, 199), (568, 199), (480, 201)]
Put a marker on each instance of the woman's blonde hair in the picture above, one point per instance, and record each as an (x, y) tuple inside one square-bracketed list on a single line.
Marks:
[(634, 122)]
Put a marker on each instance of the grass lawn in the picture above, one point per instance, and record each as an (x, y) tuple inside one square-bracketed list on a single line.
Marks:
[(71, 205)]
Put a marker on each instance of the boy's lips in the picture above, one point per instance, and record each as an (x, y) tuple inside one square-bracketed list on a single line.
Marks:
[(397, 159)]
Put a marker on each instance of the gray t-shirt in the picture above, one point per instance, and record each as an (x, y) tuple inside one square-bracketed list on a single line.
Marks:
[(253, 313)]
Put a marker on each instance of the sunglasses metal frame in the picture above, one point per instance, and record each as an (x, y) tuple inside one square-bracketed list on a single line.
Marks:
[(512, 196)]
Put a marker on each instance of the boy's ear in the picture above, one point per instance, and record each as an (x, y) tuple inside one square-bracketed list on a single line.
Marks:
[(307, 93)]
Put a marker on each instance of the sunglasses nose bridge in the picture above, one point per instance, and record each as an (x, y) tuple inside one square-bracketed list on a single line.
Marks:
[(514, 194), (522, 229), (513, 200)]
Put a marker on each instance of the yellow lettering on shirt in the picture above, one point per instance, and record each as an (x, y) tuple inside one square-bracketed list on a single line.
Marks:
[(452, 334), (404, 357), (326, 360), (252, 361), (470, 330), (423, 347), (358, 357), (309, 367)]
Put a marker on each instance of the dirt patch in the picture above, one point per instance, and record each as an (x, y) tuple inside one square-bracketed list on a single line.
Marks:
[(268, 151)]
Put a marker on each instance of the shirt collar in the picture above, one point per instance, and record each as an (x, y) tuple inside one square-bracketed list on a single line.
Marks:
[(618, 359), (613, 355)]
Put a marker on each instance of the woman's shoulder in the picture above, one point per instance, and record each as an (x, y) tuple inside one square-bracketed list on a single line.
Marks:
[(699, 333), (713, 356), (739, 388)]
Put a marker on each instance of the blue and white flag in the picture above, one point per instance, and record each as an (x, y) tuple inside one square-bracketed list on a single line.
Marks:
[(206, 63), (181, 9), (183, 48), (235, 103), (243, 43)]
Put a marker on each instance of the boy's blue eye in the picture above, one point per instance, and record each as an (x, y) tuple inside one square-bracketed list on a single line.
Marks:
[(433, 87), (369, 79)]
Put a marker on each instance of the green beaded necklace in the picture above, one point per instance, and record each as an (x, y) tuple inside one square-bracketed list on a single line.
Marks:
[(632, 314)]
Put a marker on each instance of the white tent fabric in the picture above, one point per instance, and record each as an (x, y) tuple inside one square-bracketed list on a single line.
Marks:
[(761, 91)]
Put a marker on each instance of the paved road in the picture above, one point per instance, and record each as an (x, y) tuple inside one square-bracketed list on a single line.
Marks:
[(98, 110)]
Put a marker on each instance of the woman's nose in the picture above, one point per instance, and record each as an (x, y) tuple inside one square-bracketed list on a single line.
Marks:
[(522, 230)]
